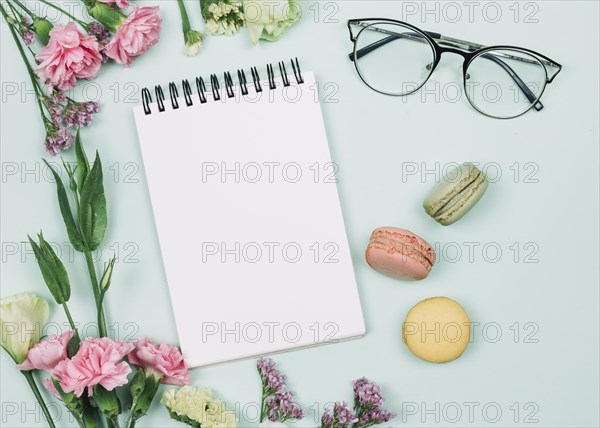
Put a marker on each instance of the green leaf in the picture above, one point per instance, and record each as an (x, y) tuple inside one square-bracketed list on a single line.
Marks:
[(110, 17), (83, 165), (42, 28), (65, 209), (92, 207), (70, 400), (53, 271), (143, 390), (107, 401), (73, 345), (138, 384), (184, 419), (90, 415)]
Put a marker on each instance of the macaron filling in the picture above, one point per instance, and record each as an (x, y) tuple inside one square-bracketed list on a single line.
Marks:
[(406, 245), (460, 195)]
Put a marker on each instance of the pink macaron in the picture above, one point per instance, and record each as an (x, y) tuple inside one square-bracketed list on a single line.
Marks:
[(399, 253)]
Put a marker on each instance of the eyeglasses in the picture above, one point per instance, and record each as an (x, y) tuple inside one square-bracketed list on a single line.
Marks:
[(396, 58)]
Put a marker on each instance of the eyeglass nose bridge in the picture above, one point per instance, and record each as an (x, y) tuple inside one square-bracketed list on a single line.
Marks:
[(439, 51)]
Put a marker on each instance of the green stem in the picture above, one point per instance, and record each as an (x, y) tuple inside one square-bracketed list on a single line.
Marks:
[(14, 11), (90, 414), (31, 381), (32, 74), (68, 313), (22, 6), (131, 421), (55, 7), (185, 20), (262, 408), (78, 419), (101, 319)]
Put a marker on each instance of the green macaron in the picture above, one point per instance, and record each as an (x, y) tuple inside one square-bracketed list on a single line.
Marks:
[(456, 194)]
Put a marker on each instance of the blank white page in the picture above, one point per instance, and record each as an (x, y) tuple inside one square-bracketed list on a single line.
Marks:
[(249, 221)]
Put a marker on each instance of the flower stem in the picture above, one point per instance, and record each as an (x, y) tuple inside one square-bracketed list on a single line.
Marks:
[(31, 381), (262, 407), (14, 11), (55, 7), (22, 6), (185, 20), (112, 422), (68, 313), (101, 319), (32, 74)]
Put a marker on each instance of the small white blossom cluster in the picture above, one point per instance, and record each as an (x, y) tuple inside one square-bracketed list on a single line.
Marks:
[(193, 41), (198, 407), (223, 17)]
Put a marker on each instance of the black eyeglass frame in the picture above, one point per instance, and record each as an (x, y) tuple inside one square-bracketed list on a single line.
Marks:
[(468, 50)]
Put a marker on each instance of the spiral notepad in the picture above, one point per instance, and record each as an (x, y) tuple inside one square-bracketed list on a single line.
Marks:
[(247, 213)]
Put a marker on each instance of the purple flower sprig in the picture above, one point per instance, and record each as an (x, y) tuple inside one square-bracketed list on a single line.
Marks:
[(65, 113), (367, 410), (277, 404), (77, 115), (368, 403), (58, 138), (99, 31), (272, 380), (26, 31), (342, 417), (282, 407)]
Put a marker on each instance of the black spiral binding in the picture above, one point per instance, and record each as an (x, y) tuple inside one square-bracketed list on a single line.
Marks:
[(271, 76), (243, 82), (201, 87), (160, 98), (187, 92), (174, 95), (215, 86), (229, 84), (256, 79)]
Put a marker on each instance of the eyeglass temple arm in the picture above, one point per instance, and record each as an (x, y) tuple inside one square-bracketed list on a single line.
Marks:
[(449, 41), (395, 36), (414, 36), (515, 77)]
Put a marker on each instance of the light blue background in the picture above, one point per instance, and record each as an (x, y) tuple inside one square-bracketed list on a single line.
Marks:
[(545, 200)]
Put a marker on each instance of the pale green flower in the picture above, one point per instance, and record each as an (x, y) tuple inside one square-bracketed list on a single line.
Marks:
[(22, 318), (268, 19), (193, 41), (222, 17), (198, 407)]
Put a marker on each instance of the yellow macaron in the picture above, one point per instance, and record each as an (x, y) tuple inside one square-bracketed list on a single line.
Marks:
[(437, 330)]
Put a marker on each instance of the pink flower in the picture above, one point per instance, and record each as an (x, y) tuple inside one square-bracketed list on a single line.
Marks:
[(121, 4), (163, 361), (68, 56), (139, 31), (47, 354), (51, 388), (97, 362)]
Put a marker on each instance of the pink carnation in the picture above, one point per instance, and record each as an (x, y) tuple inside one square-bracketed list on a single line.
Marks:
[(51, 388), (164, 361), (139, 31), (121, 4), (45, 355), (68, 56), (97, 362)]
